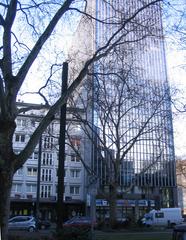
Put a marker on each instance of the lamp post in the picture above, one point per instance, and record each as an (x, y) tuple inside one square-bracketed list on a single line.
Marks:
[(148, 196), (93, 192), (38, 178), (61, 160)]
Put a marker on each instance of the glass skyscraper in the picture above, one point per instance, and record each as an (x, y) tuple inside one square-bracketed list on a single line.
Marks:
[(134, 148), (132, 101)]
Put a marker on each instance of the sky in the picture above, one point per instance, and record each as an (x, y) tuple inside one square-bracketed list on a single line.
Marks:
[(177, 73), (177, 79)]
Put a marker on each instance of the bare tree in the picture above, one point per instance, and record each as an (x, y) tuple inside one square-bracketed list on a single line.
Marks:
[(181, 173), (175, 23), (129, 111), (22, 45), (181, 180)]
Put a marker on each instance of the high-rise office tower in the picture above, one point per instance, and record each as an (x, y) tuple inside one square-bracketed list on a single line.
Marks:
[(134, 150)]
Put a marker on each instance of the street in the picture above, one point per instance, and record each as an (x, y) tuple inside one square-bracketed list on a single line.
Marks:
[(165, 234)]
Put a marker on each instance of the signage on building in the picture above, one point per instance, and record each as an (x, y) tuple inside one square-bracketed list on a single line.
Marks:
[(142, 203), (125, 203), (101, 202)]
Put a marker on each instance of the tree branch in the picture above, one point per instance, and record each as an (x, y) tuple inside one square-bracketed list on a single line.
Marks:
[(2, 97), (41, 41), (2, 21), (7, 59)]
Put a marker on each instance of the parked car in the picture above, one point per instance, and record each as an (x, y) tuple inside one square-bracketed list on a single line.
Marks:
[(120, 221), (79, 222), (179, 232), (141, 221), (124, 221), (22, 223), (43, 224)]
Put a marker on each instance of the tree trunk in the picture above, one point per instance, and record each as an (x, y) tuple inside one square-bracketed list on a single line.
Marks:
[(113, 207), (5, 189), (7, 159)]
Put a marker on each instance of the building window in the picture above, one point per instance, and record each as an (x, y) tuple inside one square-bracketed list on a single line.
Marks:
[(48, 142), (31, 171), (75, 158), (33, 123), (47, 159), (46, 191), (36, 154), (75, 173), (46, 175), (31, 188), (19, 137), (21, 122), (75, 190), (17, 187)]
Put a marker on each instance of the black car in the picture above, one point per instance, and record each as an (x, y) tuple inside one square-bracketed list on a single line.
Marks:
[(43, 224), (179, 232)]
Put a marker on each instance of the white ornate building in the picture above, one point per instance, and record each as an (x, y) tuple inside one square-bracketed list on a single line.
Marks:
[(24, 188)]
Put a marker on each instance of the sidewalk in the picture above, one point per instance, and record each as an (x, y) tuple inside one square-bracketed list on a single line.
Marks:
[(104, 234)]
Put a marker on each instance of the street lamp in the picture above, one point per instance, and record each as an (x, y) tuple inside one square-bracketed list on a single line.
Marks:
[(93, 192), (38, 178)]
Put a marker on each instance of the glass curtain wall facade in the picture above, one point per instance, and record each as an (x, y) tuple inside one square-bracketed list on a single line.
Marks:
[(132, 103)]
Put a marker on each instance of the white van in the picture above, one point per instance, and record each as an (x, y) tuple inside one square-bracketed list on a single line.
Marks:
[(163, 217)]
